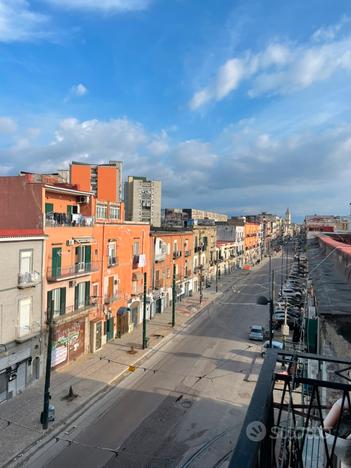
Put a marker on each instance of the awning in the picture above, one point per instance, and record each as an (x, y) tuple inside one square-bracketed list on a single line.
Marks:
[(123, 310), (137, 276), (84, 240)]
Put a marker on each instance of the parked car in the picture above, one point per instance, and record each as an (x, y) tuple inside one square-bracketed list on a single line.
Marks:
[(278, 345), (257, 333)]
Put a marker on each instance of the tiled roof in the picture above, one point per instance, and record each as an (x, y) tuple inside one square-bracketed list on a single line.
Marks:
[(21, 232)]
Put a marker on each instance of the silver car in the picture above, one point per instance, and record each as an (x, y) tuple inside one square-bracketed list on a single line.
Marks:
[(257, 333)]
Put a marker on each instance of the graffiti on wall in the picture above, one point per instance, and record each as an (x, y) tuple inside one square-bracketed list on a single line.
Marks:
[(68, 341)]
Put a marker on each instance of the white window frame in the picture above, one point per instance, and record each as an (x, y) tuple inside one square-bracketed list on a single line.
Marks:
[(101, 211), (22, 253), (25, 329), (114, 212)]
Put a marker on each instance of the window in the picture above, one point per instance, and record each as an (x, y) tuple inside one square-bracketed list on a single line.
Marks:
[(56, 302), (136, 248), (114, 212), (26, 261), (175, 246), (82, 295), (83, 257), (101, 211), (24, 315), (111, 253)]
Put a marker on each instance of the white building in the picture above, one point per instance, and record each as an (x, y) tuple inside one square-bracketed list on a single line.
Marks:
[(143, 200)]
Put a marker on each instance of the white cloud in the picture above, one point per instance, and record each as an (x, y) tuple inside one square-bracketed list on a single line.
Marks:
[(101, 5), (79, 90), (280, 68), (244, 166), (7, 125), (20, 23), (328, 33)]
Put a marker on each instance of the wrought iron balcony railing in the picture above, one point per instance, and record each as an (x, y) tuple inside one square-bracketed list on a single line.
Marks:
[(287, 423), (28, 279), (78, 269)]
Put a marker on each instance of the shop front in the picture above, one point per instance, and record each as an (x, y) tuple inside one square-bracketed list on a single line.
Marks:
[(68, 342)]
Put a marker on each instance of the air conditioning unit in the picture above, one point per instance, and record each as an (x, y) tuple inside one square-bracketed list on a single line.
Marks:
[(83, 199), (70, 242)]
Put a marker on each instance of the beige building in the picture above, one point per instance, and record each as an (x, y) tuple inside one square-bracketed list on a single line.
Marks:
[(205, 239), (21, 318), (143, 200)]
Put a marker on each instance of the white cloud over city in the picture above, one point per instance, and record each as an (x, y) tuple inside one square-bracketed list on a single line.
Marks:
[(282, 67), (238, 167)]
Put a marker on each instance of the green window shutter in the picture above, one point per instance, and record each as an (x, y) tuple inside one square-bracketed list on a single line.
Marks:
[(62, 301), (49, 208), (69, 210), (76, 295), (87, 258), (49, 305), (56, 261), (87, 292)]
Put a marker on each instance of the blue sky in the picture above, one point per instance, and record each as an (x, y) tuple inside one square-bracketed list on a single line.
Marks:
[(237, 106)]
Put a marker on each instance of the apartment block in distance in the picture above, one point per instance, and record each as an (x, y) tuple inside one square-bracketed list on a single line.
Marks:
[(143, 200)]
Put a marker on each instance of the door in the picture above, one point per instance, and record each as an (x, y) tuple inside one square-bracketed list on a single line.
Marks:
[(109, 329), (158, 306), (56, 261), (135, 314), (110, 287), (3, 387), (21, 377), (36, 368), (98, 335)]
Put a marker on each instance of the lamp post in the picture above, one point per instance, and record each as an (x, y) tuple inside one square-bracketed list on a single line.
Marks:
[(145, 339), (174, 295), (263, 300)]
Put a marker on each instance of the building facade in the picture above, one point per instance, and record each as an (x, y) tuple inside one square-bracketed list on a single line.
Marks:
[(22, 323), (143, 200)]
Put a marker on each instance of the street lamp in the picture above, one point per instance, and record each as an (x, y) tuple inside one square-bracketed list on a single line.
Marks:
[(262, 300)]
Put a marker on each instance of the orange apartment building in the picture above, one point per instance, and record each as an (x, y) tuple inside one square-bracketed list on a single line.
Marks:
[(251, 242), (171, 248), (94, 261)]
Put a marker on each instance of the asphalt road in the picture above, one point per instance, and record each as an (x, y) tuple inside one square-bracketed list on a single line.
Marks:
[(186, 409)]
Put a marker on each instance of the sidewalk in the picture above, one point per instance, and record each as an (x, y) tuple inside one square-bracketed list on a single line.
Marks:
[(89, 377)]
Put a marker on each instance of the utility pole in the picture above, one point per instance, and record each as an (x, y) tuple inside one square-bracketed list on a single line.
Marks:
[(44, 417), (282, 270), (145, 339), (174, 295), (217, 275), (271, 310), (200, 284)]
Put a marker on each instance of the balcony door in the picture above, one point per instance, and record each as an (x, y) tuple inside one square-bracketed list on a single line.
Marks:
[(56, 261), (83, 258)]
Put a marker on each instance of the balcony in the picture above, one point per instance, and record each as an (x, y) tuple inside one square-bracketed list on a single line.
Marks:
[(286, 423), (26, 333), (73, 312), (177, 254), (159, 283), (187, 253), (160, 256), (28, 279), (64, 220), (111, 298), (112, 261), (73, 271)]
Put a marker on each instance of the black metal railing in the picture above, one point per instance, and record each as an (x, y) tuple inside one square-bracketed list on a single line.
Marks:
[(285, 425), (82, 268)]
